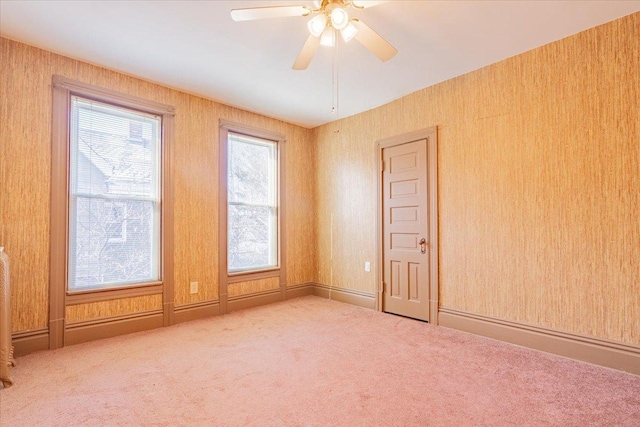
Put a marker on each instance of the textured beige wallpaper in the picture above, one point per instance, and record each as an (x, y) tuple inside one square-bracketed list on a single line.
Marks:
[(25, 157), (252, 286), (116, 307), (539, 185)]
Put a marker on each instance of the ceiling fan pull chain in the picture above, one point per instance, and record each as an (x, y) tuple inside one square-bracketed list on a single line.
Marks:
[(335, 81)]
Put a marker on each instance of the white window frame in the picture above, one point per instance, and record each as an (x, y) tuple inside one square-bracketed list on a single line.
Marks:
[(273, 205), (111, 108)]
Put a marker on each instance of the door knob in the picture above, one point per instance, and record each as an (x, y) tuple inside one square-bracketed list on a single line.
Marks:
[(423, 245)]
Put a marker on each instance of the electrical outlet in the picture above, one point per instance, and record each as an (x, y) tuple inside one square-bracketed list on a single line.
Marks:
[(367, 266), (193, 288)]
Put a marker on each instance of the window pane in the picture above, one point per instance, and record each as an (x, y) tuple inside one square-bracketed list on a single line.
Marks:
[(115, 151), (251, 236), (251, 173), (114, 202), (112, 242)]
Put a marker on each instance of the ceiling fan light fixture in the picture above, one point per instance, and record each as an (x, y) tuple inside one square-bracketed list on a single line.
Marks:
[(348, 32), (317, 4), (328, 37), (317, 25), (339, 18), (332, 16)]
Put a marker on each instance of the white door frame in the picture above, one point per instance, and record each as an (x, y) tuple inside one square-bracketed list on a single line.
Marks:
[(431, 135)]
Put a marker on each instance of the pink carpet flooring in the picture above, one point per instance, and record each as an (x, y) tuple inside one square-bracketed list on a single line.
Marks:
[(312, 362)]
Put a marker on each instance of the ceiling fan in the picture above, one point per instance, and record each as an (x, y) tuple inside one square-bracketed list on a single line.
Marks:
[(331, 16)]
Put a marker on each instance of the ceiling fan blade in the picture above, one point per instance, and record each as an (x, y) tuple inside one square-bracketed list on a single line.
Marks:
[(363, 4), (306, 54), (373, 41), (252, 13)]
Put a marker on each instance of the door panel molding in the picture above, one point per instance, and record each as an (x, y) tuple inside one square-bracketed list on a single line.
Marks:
[(403, 163)]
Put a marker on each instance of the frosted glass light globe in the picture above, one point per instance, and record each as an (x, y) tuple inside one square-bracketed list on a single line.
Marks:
[(339, 18), (317, 24)]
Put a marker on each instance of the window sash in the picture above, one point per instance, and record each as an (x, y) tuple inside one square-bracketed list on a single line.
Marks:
[(271, 261), (272, 196), (142, 192), (115, 197)]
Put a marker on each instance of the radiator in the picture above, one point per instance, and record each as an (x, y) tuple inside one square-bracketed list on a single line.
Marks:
[(6, 348)]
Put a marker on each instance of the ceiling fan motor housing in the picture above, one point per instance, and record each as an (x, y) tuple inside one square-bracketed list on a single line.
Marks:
[(326, 6)]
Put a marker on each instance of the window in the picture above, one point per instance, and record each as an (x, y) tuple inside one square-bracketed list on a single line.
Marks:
[(114, 196), (252, 198), (252, 214), (111, 216), (116, 224)]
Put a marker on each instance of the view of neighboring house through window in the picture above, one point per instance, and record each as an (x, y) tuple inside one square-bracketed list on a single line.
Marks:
[(114, 196), (252, 203)]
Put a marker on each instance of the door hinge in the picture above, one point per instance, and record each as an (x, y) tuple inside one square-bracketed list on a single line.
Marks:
[(382, 167)]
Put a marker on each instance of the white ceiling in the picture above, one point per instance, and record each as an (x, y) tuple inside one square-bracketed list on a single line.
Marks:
[(194, 46)]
